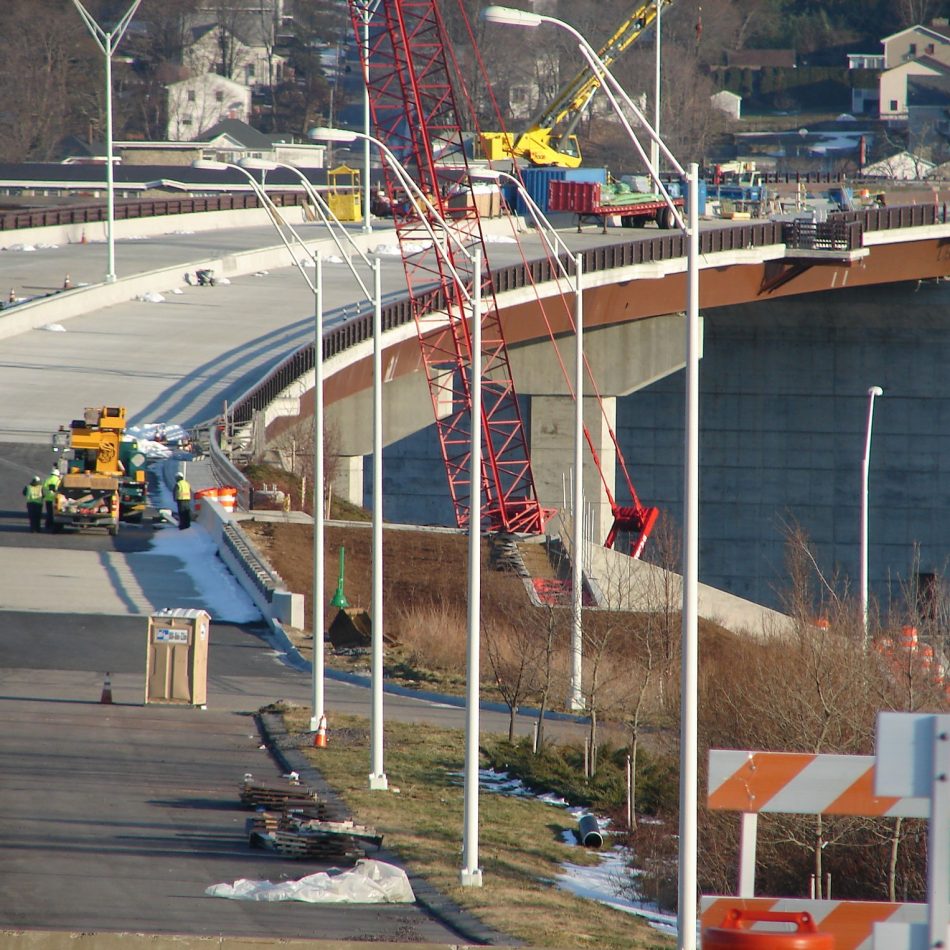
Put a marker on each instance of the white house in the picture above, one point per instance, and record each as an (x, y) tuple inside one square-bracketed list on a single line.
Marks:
[(916, 42), (728, 102), (903, 166), (249, 44), (196, 104), (893, 84)]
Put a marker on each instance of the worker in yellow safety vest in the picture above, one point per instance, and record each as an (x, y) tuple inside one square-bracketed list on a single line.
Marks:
[(183, 498), (50, 488), (34, 503)]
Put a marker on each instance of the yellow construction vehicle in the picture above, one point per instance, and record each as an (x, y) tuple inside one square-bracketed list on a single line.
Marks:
[(549, 138), (104, 477)]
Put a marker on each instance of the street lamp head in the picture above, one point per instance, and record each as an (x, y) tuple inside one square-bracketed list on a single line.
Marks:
[(326, 134), (210, 165), (511, 17), (875, 391), (258, 164)]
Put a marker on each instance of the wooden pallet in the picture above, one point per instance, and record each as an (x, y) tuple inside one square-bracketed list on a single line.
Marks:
[(255, 795)]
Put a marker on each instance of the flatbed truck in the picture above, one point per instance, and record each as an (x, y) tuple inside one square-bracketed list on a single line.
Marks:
[(598, 202)]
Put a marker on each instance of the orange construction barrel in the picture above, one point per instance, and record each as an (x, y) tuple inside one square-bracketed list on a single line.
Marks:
[(733, 933), (227, 497)]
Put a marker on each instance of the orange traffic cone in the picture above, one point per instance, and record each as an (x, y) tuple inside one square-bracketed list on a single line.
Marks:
[(320, 736), (107, 690)]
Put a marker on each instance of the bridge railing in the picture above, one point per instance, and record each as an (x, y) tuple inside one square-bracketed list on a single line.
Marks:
[(128, 210)]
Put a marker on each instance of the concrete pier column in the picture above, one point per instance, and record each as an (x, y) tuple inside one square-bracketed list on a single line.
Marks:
[(348, 478), (552, 455)]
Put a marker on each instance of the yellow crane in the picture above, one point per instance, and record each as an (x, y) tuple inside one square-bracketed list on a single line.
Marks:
[(549, 138)]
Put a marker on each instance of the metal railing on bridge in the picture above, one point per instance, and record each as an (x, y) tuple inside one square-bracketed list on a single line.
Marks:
[(128, 210)]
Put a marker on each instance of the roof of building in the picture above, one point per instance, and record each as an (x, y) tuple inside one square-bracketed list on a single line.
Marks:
[(941, 30), (239, 132)]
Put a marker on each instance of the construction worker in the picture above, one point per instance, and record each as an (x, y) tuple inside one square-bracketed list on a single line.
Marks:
[(183, 498), (34, 503), (50, 487)]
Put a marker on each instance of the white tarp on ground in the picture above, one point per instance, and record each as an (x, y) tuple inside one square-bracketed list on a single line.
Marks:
[(370, 882)]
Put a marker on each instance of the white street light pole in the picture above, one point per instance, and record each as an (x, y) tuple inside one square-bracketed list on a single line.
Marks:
[(577, 563), (865, 472), (107, 42), (317, 710), (471, 873), (686, 921), (554, 243), (377, 778), (689, 772)]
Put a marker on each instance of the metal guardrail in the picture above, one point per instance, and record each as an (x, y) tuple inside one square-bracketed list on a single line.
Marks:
[(128, 210), (252, 563)]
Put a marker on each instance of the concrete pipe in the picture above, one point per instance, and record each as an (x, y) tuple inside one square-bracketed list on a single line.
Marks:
[(588, 832)]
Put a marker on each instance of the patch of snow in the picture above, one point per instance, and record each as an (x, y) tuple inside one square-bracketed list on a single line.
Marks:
[(499, 239), (220, 593), (151, 296), (177, 290), (222, 280), (53, 327), (25, 248)]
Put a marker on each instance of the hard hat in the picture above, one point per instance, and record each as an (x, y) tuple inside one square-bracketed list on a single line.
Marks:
[(179, 477), (36, 479), (54, 470)]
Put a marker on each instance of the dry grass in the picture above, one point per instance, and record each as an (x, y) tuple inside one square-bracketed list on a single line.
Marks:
[(520, 847)]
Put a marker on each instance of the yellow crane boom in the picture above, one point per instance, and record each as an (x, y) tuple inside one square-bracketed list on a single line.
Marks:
[(549, 138)]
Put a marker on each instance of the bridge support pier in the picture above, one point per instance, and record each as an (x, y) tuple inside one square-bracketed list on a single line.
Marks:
[(348, 479), (552, 456)]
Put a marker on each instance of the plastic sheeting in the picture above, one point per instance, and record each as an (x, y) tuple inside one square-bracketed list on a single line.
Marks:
[(369, 882)]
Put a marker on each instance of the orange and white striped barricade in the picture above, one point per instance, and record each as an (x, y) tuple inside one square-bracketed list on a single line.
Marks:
[(813, 784), (855, 925)]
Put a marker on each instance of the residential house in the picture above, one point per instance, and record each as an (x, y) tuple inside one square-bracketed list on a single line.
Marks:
[(231, 140), (893, 85), (241, 48), (916, 42), (196, 104)]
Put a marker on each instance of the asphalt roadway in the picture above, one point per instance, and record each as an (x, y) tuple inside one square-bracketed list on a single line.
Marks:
[(114, 818)]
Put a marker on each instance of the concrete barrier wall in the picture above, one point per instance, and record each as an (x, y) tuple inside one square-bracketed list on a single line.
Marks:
[(144, 227)]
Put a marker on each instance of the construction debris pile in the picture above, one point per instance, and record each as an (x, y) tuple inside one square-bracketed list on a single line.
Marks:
[(293, 820)]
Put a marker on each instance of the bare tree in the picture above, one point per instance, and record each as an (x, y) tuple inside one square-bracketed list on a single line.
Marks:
[(512, 648)]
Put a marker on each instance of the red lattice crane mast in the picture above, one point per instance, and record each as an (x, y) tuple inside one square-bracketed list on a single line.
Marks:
[(414, 85), (412, 92)]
